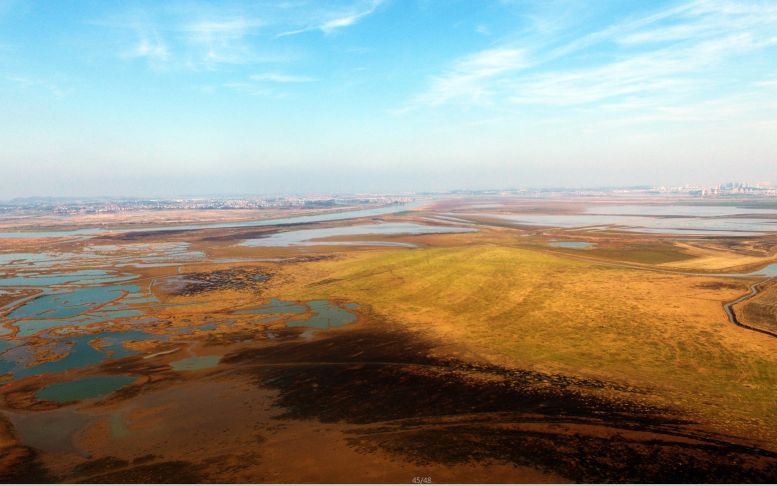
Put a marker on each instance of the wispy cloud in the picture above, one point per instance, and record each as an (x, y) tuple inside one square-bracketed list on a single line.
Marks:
[(281, 78), (150, 47), (256, 89), (221, 40), (475, 77), (767, 83), (483, 30), (680, 55), (26, 82), (330, 21), (349, 19), (204, 37)]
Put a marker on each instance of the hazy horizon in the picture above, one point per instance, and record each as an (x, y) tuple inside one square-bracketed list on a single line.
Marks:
[(238, 97)]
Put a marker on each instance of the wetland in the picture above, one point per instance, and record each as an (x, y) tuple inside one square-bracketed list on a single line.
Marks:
[(467, 340)]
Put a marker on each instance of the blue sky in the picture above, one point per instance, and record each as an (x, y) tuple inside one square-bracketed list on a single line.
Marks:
[(192, 97)]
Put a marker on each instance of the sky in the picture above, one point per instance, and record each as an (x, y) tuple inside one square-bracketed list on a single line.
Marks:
[(144, 98)]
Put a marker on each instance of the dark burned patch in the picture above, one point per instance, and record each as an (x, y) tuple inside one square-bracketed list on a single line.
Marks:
[(21, 395), (326, 281), (343, 376), (151, 373), (171, 472), (134, 365), (356, 346), (374, 392), (308, 258), (230, 279), (718, 285), (21, 465), (18, 463), (140, 234), (435, 409), (99, 466), (609, 456), (253, 336), (237, 234), (229, 465), (143, 459)]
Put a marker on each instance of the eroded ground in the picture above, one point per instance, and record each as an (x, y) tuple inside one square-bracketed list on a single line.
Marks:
[(474, 350)]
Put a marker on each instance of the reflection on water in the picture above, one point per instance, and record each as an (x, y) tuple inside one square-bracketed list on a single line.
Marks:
[(687, 210), (71, 303), (77, 308), (51, 430), (120, 255), (81, 352), (318, 314), (393, 208), (767, 271), (276, 306), (196, 363), (577, 245), (325, 314), (80, 277), (311, 236), (83, 388), (670, 219)]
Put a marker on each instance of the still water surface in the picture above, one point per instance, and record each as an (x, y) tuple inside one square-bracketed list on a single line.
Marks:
[(311, 236), (84, 388)]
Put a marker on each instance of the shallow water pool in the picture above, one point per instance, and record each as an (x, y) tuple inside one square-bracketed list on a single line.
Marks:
[(84, 388), (196, 363), (577, 245)]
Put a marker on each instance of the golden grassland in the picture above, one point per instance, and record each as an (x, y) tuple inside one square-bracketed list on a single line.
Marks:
[(712, 259), (666, 333), (761, 310)]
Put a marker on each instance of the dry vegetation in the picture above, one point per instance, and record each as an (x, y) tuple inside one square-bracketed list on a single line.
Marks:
[(661, 331), (761, 310)]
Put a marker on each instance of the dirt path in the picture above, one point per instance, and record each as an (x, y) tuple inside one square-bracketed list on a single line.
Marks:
[(732, 317), (728, 307)]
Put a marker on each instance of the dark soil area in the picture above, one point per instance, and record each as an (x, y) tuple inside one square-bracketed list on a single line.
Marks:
[(172, 472), (426, 409), (231, 279)]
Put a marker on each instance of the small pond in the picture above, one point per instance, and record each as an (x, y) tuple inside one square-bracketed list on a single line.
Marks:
[(196, 363), (79, 352), (323, 313), (80, 277), (767, 271), (305, 237), (577, 245), (83, 388)]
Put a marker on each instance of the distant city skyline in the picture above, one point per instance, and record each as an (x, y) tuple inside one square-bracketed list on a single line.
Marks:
[(265, 200), (240, 97)]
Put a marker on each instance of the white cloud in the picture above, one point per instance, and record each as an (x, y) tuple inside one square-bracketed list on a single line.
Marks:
[(767, 83), (229, 27), (199, 36), (281, 78), (30, 83), (255, 89), (330, 21), (471, 78), (151, 48), (483, 30), (679, 56)]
